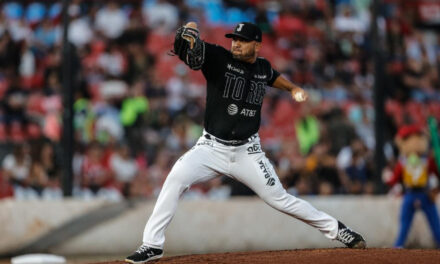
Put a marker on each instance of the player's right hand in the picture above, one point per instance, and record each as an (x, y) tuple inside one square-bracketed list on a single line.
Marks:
[(299, 95)]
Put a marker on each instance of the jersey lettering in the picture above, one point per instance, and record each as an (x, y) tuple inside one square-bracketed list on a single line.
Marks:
[(237, 84), (256, 93), (229, 78), (261, 91), (252, 93), (248, 112), (237, 93)]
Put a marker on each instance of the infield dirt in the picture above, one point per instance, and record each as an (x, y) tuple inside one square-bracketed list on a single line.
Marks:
[(310, 256)]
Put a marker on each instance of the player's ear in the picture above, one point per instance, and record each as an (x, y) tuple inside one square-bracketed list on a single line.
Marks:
[(257, 46)]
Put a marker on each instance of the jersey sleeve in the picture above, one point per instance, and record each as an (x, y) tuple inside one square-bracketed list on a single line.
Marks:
[(213, 56), (273, 75)]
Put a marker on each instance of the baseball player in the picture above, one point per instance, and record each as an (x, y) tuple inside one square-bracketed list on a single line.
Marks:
[(230, 145)]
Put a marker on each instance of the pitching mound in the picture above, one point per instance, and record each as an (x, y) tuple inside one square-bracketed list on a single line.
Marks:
[(311, 256)]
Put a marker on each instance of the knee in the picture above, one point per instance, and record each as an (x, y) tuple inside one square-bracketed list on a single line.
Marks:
[(176, 181), (279, 201)]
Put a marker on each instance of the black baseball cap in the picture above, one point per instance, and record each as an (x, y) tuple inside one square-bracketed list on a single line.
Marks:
[(246, 30)]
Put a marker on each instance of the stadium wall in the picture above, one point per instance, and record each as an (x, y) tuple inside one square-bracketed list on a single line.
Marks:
[(202, 226)]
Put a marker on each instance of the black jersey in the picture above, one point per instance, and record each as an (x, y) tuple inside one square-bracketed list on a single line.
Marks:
[(235, 92)]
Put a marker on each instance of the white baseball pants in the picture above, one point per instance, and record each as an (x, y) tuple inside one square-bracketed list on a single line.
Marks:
[(246, 163)]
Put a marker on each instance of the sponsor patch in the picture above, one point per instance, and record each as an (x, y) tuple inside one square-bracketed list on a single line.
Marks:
[(248, 112), (206, 143), (254, 149), (270, 182), (266, 173), (258, 76), (235, 69), (232, 109)]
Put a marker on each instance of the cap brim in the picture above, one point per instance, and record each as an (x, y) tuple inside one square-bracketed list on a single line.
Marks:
[(231, 35)]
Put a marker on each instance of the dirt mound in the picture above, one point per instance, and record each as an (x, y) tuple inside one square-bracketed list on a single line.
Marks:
[(311, 256)]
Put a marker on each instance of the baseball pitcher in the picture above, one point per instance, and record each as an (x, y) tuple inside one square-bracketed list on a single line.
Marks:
[(230, 145)]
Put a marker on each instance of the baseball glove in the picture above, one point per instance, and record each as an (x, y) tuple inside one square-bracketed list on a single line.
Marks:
[(189, 47)]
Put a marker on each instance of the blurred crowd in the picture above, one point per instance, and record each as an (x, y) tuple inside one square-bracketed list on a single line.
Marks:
[(137, 109)]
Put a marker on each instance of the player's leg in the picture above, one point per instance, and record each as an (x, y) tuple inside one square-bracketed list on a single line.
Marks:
[(255, 170), (259, 175), (406, 217), (197, 165), (428, 206), (194, 166)]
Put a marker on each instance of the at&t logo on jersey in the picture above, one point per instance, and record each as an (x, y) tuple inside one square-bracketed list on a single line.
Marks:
[(232, 109), (248, 112)]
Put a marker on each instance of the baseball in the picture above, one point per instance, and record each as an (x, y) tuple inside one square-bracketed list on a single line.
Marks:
[(299, 97)]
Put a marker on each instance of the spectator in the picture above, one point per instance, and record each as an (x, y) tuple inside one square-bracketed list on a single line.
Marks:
[(80, 32), (16, 167), (19, 30), (307, 131), (9, 53), (361, 115), (139, 62), (122, 59), (112, 62), (124, 168), (133, 116), (47, 34), (218, 190), (96, 176), (27, 62), (177, 90), (158, 171), (346, 21), (321, 166), (262, 20), (14, 102), (46, 171), (338, 129), (111, 20), (161, 16), (108, 127)]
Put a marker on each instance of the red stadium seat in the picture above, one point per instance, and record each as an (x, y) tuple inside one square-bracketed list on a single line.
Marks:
[(16, 132), (35, 103), (159, 43), (4, 85), (6, 189), (3, 133)]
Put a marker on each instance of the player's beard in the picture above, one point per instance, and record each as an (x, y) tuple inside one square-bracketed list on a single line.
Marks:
[(244, 56)]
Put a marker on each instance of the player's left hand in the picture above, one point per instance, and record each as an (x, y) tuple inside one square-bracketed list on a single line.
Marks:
[(191, 37), (299, 95)]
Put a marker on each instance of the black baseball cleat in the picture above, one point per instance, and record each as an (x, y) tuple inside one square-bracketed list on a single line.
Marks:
[(144, 254), (350, 238)]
